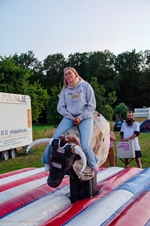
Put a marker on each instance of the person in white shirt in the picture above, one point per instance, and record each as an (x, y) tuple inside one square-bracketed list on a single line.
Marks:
[(130, 130)]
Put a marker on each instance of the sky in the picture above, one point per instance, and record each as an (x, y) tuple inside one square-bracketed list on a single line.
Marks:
[(49, 27)]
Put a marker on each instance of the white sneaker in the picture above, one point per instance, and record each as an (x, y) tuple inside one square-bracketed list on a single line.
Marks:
[(96, 170), (47, 167)]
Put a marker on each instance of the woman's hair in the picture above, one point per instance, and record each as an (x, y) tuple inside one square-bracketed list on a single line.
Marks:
[(65, 84)]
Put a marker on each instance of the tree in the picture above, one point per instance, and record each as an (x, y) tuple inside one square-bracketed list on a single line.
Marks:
[(128, 66), (144, 81), (53, 71), (80, 62), (15, 79), (27, 60), (12, 77), (101, 66), (39, 99), (53, 117), (120, 111), (103, 102)]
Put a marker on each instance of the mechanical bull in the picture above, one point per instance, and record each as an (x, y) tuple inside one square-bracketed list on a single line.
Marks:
[(67, 157)]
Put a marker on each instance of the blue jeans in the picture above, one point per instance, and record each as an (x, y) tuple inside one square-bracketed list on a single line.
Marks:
[(85, 130)]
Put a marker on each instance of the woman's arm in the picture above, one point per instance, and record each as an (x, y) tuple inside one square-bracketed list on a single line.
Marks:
[(91, 102), (61, 107), (112, 136)]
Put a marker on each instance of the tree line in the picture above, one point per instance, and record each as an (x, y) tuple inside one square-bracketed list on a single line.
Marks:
[(119, 81)]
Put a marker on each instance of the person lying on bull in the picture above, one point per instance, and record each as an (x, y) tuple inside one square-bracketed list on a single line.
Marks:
[(76, 104)]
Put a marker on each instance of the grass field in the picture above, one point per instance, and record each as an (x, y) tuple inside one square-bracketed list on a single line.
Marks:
[(22, 160), (40, 128)]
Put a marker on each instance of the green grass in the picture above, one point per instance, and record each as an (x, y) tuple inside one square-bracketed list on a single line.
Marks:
[(40, 128), (22, 160)]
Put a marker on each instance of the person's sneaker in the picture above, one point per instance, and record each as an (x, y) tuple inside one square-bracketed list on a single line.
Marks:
[(96, 170)]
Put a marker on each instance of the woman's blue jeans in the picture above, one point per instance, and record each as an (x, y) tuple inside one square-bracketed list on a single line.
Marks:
[(85, 130)]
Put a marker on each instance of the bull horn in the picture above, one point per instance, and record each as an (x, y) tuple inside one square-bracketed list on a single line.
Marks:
[(78, 150), (39, 142)]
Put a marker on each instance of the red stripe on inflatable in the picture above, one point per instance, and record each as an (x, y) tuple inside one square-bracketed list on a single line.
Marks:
[(15, 172), (18, 182), (13, 204), (103, 187), (137, 213)]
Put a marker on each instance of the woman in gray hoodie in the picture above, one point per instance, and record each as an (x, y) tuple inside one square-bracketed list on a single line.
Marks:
[(76, 104)]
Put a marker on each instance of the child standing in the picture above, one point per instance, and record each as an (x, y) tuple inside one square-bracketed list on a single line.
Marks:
[(111, 154)]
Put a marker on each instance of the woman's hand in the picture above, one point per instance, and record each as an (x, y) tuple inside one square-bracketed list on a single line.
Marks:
[(77, 121)]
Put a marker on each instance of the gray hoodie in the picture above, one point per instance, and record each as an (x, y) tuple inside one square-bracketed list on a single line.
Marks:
[(78, 101)]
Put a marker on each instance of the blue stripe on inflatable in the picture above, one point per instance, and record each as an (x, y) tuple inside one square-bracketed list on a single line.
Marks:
[(147, 188), (136, 183), (123, 194)]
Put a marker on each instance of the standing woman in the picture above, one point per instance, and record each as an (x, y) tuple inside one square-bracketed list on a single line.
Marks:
[(76, 104)]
